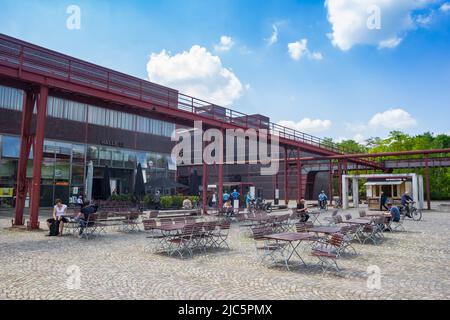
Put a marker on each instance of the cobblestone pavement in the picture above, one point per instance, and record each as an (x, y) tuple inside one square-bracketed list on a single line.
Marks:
[(414, 265)]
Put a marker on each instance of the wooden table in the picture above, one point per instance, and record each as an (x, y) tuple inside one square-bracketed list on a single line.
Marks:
[(290, 238), (325, 230)]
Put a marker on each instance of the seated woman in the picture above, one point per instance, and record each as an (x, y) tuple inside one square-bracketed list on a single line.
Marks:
[(303, 210), (228, 208), (59, 211)]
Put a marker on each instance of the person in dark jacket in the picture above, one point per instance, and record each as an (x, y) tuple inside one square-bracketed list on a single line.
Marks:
[(383, 201), (83, 216)]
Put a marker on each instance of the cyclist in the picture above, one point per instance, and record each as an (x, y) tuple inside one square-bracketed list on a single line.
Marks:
[(406, 201), (322, 200)]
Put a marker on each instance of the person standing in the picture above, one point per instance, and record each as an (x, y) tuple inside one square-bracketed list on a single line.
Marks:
[(157, 200), (226, 197), (214, 200), (383, 201)]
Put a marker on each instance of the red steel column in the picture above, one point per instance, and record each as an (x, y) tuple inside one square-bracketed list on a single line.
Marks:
[(427, 182), (299, 177), (286, 185), (340, 179), (205, 186), (25, 146), (37, 160), (220, 186), (330, 184)]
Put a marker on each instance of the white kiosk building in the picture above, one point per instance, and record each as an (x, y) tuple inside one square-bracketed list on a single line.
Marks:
[(412, 183)]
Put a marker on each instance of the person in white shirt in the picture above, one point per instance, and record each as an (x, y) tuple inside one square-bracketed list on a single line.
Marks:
[(59, 211)]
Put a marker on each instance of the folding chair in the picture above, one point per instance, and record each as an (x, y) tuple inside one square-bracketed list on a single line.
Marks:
[(265, 248), (329, 252)]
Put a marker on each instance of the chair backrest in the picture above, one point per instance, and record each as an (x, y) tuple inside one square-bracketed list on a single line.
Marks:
[(336, 240), (166, 221), (337, 219), (301, 227), (224, 225), (348, 216), (149, 224), (260, 231), (362, 213), (334, 213), (153, 214)]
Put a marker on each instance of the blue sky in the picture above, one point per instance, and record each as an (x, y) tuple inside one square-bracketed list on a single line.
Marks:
[(342, 82)]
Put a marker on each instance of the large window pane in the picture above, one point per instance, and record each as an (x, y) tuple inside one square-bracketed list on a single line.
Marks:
[(11, 98), (105, 156), (117, 159), (130, 159), (92, 154), (11, 147), (77, 176), (78, 152)]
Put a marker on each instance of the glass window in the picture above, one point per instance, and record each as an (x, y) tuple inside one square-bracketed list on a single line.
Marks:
[(130, 159), (62, 170), (77, 175), (97, 116), (11, 98), (7, 168), (92, 154), (105, 156), (78, 152), (11, 147), (117, 159), (142, 159)]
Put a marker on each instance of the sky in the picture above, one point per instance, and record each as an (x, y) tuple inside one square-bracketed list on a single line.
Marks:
[(346, 69)]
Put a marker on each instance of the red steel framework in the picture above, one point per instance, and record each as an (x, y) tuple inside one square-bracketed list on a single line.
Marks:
[(39, 72)]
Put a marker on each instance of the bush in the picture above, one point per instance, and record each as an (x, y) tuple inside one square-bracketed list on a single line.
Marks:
[(166, 202), (177, 201), (148, 199)]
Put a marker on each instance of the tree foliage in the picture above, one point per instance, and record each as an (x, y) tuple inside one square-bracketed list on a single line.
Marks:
[(399, 141)]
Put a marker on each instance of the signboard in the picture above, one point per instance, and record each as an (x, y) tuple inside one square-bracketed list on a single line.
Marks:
[(111, 143), (6, 192)]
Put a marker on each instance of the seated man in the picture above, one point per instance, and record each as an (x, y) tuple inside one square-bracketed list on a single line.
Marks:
[(395, 212), (187, 204), (303, 210), (83, 216)]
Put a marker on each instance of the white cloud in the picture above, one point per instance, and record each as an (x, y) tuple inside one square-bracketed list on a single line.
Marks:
[(226, 43), (445, 7), (273, 37), (299, 49), (355, 22), (307, 125), (393, 119), (197, 73), (389, 43)]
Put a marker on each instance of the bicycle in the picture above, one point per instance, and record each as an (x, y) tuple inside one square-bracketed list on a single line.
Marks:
[(416, 214)]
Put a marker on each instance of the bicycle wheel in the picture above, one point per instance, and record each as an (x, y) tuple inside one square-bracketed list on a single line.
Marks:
[(416, 214)]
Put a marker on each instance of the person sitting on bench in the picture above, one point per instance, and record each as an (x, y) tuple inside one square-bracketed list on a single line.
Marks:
[(187, 204), (228, 208), (59, 211), (303, 210), (83, 216)]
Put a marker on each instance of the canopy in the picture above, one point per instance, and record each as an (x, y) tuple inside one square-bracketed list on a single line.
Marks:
[(164, 183), (383, 183)]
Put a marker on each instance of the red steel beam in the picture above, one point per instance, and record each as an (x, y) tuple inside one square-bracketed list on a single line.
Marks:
[(37, 157), (377, 155), (26, 141)]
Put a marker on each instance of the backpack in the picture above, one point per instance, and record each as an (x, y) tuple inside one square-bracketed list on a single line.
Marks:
[(54, 228)]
